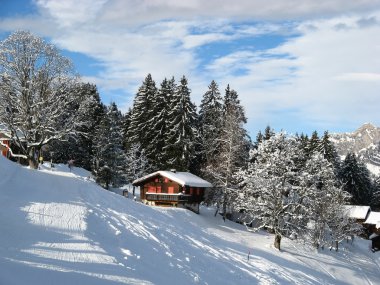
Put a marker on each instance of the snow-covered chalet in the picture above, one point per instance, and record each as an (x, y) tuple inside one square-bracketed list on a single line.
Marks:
[(172, 188)]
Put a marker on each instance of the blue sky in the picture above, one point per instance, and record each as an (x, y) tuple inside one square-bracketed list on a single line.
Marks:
[(297, 65)]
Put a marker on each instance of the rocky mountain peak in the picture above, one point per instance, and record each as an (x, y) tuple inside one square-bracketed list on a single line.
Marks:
[(364, 142)]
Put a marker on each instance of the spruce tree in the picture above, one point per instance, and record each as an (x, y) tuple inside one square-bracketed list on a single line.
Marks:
[(313, 144), (182, 135), (139, 130), (356, 180), (109, 157), (268, 133), (210, 123), (233, 154), (327, 149), (162, 103), (79, 147)]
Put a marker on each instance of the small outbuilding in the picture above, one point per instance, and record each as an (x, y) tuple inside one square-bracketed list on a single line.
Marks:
[(357, 213), (172, 188), (373, 222)]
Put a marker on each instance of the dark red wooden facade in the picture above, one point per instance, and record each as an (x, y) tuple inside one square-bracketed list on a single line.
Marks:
[(160, 190)]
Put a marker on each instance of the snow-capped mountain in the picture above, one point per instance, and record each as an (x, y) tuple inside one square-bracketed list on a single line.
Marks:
[(364, 142)]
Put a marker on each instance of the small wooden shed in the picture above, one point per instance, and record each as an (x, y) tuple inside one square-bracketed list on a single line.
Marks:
[(373, 222), (357, 213), (172, 188)]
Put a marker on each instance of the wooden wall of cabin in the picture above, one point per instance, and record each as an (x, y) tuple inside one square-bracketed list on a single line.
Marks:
[(164, 185), (160, 185)]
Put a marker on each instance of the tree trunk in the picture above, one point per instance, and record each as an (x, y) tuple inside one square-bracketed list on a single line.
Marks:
[(224, 210), (277, 241), (32, 159), (336, 245), (33, 163)]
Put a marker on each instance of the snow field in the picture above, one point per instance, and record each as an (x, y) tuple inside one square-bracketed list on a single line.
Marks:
[(60, 228)]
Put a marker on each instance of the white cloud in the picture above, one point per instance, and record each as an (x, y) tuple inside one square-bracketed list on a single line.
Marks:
[(325, 77)]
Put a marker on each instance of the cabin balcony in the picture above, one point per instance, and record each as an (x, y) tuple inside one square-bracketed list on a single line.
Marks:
[(165, 197)]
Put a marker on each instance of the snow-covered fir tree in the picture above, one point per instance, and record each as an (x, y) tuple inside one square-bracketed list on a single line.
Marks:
[(159, 123), (327, 149), (126, 124), (109, 156), (313, 144), (356, 180), (182, 132), (79, 147), (35, 80), (139, 127), (210, 123), (268, 133), (136, 163), (233, 153)]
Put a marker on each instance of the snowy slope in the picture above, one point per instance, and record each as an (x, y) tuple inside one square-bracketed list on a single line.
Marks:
[(59, 228)]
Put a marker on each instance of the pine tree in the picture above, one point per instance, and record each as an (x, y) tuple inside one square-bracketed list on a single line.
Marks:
[(162, 104), (182, 129), (314, 142), (139, 130), (327, 149), (233, 153), (268, 133), (126, 125), (136, 164), (109, 157), (356, 180), (79, 147), (259, 139), (210, 123)]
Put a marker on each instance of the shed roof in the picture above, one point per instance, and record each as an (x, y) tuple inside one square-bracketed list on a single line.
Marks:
[(356, 212), (182, 178), (373, 219)]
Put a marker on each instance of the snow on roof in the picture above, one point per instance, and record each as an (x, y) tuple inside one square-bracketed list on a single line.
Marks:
[(356, 212), (373, 219), (182, 178)]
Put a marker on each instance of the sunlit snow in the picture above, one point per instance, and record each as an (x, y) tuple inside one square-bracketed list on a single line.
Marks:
[(59, 227)]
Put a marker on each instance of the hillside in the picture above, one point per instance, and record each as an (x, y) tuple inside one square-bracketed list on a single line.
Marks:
[(364, 142), (60, 228)]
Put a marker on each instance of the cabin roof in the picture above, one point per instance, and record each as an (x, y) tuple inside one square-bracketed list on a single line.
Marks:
[(373, 219), (356, 212), (182, 178)]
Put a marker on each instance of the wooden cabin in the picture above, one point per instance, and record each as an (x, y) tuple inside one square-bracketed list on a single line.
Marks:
[(172, 188)]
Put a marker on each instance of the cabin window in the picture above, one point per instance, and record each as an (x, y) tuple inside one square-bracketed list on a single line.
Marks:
[(191, 191), (158, 189), (170, 189), (198, 191), (151, 189), (166, 180)]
